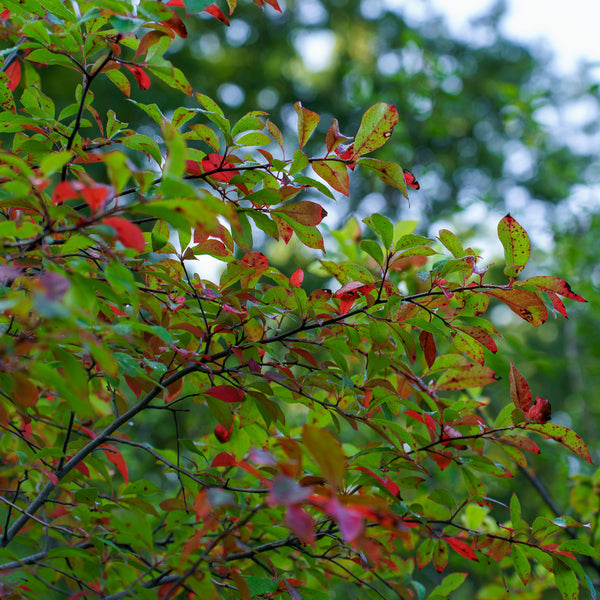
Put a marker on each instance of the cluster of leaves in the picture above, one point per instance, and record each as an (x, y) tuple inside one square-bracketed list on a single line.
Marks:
[(107, 321)]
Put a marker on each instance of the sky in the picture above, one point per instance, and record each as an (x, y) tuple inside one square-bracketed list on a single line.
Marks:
[(568, 27)]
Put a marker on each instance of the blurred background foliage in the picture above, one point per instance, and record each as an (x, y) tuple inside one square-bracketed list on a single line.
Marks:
[(486, 126)]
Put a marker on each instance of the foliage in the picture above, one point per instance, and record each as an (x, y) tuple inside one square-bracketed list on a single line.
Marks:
[(320, 436)]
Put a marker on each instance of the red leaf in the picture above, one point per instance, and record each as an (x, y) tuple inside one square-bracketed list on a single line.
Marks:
[(541, 411), (346, 152), (224, 459), (559, 286), (174, 23), (334, 138), (461, 547), (215, 162), (83, 469), (116, 458), (350, 521), (410, 179), (222, 433), (523, 303), (51, 476), (426, 419), (179, 3), (217, 13), (285, 490), (481, 335), (304, 212), (140, 76), (428, 346), (193, 167), (346, 304), (349, 292), (64, 191), (14, 75), (464, 378), (334, 173), (95, 195), (284, 229), (297, 277), (274, 4), (226, 393), (129, 234), (557, 303), (522, 442), (354, 287), (519, 389), (300, 523), (387, 483)]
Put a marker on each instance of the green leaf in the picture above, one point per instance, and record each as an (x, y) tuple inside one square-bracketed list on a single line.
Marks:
[(335, 173), (460, 379), (563, 435), (159, 235), (375, 128), (579, 547), (516, 245), (566, 580), (172, 76), (144, 144), (152, 111), (120, 80), (373, 249), (253, 138), (46, 57), (520, 562), (449, 584), (451, 242), (382, 227), (389, 172), (200, 131)]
